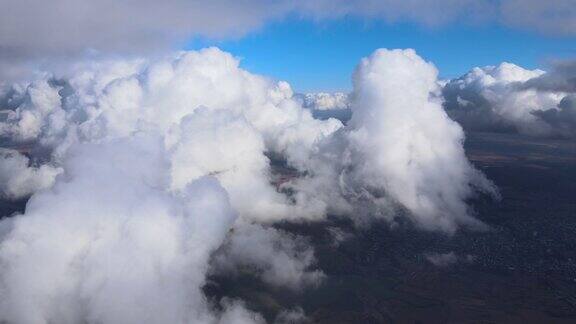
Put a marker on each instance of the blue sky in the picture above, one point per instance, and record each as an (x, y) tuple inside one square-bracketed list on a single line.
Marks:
[(321, 56)]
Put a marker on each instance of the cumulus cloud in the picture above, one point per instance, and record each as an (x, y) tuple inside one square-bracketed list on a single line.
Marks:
[(325, 100), (561, 78), (136, 141), (325, 105), (399, 149), (202, 101), (229, 148), (18, 179), (563, 119), (503, 98), (165, 176), (509, 98), (112, 244), (37, 105), (408, 142)]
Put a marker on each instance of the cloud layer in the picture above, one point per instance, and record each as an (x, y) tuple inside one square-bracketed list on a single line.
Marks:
[(325, 101), (34, 32)]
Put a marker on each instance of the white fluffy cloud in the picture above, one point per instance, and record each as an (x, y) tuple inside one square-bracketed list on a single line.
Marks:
[(510, 98), (408, 142), (503, 98), (166, 161), (202, 101), (228, 147), (325, 100), (399, 149), (136, 140), (561, 78), (18, 179), (109, 244), (563, 119)]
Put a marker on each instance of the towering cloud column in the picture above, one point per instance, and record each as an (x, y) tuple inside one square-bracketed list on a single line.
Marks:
[(400, 154), (406, 144)]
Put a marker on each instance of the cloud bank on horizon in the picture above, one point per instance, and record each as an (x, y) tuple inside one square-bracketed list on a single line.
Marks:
[(162, 166), (34, 33), (509, 98), (505, 98)]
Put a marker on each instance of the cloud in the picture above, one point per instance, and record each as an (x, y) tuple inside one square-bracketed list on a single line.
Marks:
[(503, 98), (442, 259), (136, 141), (200, 100), (562, 78), (113, 245), (400, 149), (508, 98), (217, 119), (406, 141), (324, 105), (18, 179), (430, 13), (325, 101), (228, 147), (166, 176), (563, 119), (277, 257), (553, 17), (37, 104), (36, 33), (39, 31)]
